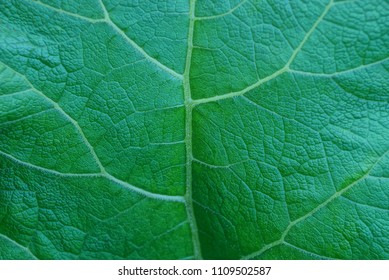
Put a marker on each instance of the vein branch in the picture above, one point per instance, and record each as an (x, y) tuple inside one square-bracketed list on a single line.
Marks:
[(136, 46), (315, 210), (284, 69), (307, 252), (223, 14), (103, 172), (94, 175), (108, 20), (23, 248), (333, 74), (60, 11)]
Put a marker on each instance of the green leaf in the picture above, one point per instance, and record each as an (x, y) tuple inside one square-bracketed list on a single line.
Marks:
[(207, 129)]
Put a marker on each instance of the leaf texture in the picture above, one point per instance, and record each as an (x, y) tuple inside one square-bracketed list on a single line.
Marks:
[(198, 129)]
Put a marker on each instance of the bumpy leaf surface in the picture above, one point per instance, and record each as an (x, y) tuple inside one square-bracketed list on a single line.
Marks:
[(215, 129)]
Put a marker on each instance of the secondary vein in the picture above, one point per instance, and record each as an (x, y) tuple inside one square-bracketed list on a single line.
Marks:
[(277, 73), (316, 209), (91, 149), (23, 248), (135, 45)]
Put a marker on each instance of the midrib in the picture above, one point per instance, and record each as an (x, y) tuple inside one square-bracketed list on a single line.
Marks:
[(189, 104), (188, 135)]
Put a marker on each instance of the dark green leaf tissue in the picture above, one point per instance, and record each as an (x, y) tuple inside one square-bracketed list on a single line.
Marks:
[(194, 129)]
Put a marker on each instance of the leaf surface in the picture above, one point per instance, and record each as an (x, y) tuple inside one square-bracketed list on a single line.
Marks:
[(194, 129)]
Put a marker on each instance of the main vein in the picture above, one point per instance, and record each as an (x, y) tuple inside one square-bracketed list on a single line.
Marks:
[(188, 135)]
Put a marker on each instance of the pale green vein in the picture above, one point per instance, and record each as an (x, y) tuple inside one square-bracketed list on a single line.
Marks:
[(25, 249), (26, 117), (136, 46), (174, 198), (315, 210), (91, 149), (344, 2), (211, 166), (329, 75), (60, 11), (108, 20), (241, 92), (15, 93), (68, 117), (188, 135), (224, 14), (187, 258), (275, 74), (94, 175), (307, 252), (47, 170), (309, 33), (76, 126)]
